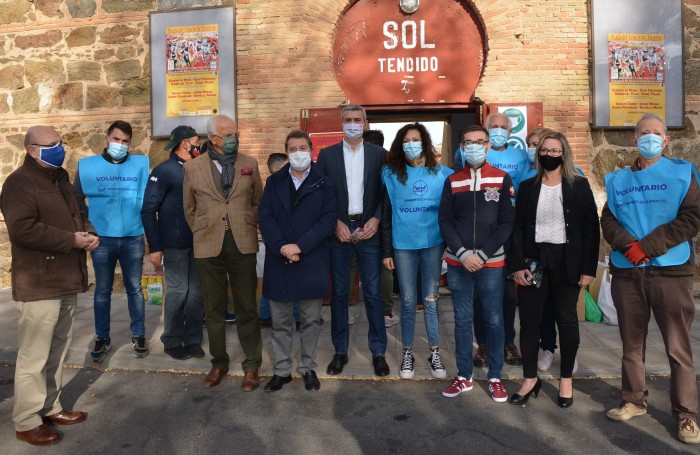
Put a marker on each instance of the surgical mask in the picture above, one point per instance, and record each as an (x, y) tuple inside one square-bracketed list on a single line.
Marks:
[(531, 153), (353, 131), (300, 161), (53, 156), (498, 137), (412, 150), (117, 151), (230, 146), (474, 154), (650, 146), (550, 163)]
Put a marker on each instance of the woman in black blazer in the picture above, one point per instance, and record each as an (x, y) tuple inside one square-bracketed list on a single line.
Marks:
[(557, 233)]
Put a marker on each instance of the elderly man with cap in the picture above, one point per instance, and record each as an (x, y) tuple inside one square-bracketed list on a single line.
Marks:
[(170, 244), (49, 240)]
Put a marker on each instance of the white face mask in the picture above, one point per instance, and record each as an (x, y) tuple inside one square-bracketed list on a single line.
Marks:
[(300, 161), (353, 131)]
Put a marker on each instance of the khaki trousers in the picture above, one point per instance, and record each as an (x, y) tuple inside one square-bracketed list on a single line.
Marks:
[(283, 334), (670, 298), (45, 331)]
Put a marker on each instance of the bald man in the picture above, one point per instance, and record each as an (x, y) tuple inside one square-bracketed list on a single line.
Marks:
[(222, 191), (49, 239)]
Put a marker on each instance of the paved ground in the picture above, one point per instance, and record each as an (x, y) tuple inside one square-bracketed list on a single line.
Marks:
[(599, 355), (166, 413)]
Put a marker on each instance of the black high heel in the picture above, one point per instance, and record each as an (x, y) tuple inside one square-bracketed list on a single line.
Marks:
[(522, 399), (565, 402)]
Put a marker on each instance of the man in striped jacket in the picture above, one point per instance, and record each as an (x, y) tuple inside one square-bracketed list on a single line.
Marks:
[(476, 218)]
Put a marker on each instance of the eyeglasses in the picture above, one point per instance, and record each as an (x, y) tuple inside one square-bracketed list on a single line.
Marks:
[(466, 143), (550, 152), (224, 137)]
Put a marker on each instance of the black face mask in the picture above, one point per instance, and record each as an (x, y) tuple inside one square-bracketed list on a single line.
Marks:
[(194, 151), (550, 163)]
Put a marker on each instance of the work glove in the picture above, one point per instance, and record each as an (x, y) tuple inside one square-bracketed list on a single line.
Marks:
[(635, 255)]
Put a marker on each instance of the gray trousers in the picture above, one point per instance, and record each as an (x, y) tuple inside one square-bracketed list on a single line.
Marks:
[(184, 306), (283, 333)]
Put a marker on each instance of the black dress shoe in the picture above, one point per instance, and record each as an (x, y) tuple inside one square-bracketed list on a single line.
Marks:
[(277, 382), (522, 399), (311, 381), (178, 353), (195, 350), (380, 366), (337, 364), (565, 402)]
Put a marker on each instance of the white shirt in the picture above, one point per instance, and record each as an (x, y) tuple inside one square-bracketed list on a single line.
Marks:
[(550, 226), (297, 182), (355, 176)]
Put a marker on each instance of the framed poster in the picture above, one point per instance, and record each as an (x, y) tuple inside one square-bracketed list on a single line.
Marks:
[(193, 67), (637, 62)]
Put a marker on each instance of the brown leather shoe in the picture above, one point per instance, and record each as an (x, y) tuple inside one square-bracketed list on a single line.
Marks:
[(67, 417), (250, 381), (214, 376), (39, 436)]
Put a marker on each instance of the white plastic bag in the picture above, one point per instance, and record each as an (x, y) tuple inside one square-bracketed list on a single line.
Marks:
[(605, 301)]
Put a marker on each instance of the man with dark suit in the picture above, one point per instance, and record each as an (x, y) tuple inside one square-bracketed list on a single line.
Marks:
[(355, 167), (222, 191)]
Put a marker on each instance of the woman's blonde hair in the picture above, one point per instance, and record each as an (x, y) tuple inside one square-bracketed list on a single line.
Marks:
[(568, 169)]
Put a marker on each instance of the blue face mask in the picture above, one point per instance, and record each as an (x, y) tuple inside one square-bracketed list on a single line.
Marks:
[(531, 152), (117, 151), (53, 156), (412, 150), (650, 146), (474, 154), (498, 137)]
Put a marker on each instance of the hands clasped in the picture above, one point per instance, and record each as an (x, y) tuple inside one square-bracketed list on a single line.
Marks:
[(291, 251), (85, 241)]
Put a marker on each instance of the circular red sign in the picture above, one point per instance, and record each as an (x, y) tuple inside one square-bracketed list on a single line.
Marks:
[(384, 56)]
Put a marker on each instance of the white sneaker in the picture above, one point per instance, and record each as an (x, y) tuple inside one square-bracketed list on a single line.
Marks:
[(351, 319), (544, 360), (390, 320), (437, 369), (407, 364)]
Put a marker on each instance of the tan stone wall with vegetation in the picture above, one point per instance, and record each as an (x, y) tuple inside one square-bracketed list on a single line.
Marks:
[(80, 64)]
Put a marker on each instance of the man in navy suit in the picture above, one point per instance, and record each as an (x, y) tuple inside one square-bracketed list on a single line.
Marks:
[(355, 167)]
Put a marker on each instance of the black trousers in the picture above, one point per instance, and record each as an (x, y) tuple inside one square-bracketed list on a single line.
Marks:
[(564, 296)]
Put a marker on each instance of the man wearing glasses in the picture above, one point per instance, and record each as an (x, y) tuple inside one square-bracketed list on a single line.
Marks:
[(476, 218), (222, 191)]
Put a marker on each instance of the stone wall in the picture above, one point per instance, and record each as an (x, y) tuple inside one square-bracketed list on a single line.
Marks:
[(80, 64)]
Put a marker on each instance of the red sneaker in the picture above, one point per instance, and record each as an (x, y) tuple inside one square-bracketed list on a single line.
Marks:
[(458, 385), (498, 391)]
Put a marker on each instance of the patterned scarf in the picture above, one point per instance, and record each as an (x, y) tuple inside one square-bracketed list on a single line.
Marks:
[(228, 168)]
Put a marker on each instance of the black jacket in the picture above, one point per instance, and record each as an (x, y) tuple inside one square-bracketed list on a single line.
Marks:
[(331, 163), (582, 227), (163, 197)]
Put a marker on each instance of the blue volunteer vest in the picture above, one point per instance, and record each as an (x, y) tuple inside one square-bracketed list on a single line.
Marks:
[(414, 206), (530, 173), (512, 160), (644, 200), (115, 194)]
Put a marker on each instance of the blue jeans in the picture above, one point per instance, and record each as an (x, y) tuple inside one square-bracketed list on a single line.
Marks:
[(407, 263), (488, 282), (265, 309), (369, 261), (184, 305), (509, 307), (129, 251)]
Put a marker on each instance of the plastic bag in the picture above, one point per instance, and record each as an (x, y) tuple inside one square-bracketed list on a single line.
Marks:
[(152, 286), (593, 313), (605, 301)]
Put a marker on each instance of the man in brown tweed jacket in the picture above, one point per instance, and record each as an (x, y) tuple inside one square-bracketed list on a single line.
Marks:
[(222, 190)]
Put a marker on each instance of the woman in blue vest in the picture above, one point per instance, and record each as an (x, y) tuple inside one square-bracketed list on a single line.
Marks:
[(411, 236), (554, 253)]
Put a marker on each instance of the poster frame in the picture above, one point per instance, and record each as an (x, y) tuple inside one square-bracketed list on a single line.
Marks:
[(225, 18), (669, 22)]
